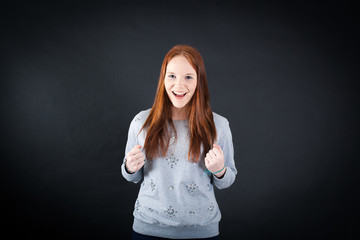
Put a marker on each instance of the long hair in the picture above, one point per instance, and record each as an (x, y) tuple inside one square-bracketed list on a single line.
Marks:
[(201, 124)]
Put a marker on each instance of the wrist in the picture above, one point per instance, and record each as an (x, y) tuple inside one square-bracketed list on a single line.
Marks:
[(126, 168), (218, 174), (221, 173)]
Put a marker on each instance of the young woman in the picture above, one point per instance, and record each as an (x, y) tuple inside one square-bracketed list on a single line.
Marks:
[(180, 149)]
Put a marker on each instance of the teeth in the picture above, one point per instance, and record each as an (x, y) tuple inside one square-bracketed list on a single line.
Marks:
[(179, 93)]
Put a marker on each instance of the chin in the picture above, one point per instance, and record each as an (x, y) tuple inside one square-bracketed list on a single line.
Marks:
[(179, 106)]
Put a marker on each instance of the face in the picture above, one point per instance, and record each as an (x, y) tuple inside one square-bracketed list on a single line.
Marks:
[(180, 81)]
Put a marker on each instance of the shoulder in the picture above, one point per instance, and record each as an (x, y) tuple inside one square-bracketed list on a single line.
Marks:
[(140, 118), (220, 121), (142, 115), (222, 128)]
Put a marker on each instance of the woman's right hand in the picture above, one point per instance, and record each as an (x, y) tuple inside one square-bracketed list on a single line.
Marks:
[(135, 159)]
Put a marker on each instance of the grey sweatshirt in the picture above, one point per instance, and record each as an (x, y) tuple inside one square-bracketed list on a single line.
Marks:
[(176, 197)]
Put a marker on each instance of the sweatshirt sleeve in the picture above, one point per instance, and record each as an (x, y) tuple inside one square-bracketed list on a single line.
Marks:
[(226, 144), (132, 140)]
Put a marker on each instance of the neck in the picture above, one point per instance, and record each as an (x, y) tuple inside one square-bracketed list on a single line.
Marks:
[(179, 113)]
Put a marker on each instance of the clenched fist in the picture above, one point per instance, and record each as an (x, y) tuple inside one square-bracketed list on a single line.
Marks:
[(214, 161), (135, 159)]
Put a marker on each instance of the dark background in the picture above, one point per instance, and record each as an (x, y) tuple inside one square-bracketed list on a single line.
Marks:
[(74, 74)]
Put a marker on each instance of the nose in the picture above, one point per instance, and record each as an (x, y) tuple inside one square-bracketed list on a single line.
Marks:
[(180, 82)]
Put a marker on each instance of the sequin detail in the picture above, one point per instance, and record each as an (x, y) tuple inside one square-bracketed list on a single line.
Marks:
[(137, 119), (192, 187), (172, 161), (171, 187), (211, 208), (152, 185), (137, 206), (170, 212), (192, 212), (172, 139)]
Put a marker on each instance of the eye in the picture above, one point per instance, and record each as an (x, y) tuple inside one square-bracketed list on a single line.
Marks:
[(171, 76), (189, 77)]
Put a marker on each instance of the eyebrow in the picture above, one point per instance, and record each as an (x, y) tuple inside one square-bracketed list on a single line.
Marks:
[(185, 74)]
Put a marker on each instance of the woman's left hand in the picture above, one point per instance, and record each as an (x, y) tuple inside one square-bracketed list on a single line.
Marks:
[(214, 160)]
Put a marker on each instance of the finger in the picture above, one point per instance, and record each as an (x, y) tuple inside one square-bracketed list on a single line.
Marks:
[(131, 160), (209, 157), (140, 160), (136, 147), (217, 151), (210, 161), (131, 154), (138, 155), (140, 165), (217, 147), (212, 154), (135, 164), (207, 162), (134, 152)]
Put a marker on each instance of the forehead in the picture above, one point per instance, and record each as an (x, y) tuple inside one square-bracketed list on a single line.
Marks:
[(180, 64)]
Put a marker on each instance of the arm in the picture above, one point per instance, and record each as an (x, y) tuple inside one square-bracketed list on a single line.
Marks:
[(226, 144), (131, 142)]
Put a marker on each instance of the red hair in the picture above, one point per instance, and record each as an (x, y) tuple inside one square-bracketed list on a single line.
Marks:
[(201, 123)]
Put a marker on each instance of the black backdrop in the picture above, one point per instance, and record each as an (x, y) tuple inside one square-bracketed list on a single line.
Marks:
[(74, 74)]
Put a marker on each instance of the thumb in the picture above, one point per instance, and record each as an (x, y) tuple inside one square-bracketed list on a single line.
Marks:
[(218, 147), (139, 146)]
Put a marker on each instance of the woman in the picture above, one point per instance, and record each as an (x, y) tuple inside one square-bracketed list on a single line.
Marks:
[(181, 149)]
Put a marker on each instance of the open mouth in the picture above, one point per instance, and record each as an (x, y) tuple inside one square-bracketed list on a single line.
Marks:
[(179, 94)]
